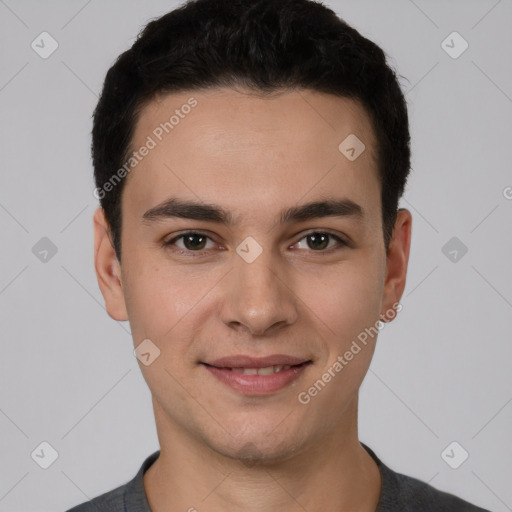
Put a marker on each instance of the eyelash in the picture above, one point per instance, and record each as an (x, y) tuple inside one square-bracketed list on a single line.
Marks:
[(201, 252)]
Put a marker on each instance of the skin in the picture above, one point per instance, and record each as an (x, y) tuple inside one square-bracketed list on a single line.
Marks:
[(254, 156)]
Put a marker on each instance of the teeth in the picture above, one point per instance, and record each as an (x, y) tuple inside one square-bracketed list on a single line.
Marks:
[(269, 370)]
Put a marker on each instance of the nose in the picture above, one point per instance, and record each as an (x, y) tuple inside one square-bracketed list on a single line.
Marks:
[(257, 297)]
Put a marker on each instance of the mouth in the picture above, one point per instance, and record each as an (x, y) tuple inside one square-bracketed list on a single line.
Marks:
[(257, 376)]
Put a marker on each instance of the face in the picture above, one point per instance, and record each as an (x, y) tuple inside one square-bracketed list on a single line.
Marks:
[(255, 292)]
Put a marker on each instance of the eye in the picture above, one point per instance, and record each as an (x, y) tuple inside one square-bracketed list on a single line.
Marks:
[(190, 242), (319, 241), (194, 243)]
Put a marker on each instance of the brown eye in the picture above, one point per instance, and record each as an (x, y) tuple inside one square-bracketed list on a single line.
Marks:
[(320, 240), (190, 242), (194, 242)]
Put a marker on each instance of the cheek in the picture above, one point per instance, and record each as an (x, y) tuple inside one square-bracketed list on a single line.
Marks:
[(171, 303), (346, 308), (346, 299), (161, 302)]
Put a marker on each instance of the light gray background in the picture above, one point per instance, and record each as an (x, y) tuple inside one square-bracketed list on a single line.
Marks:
[(441, 371)]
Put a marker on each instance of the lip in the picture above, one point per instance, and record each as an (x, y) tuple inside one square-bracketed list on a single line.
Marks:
[(257, 385), (243, 361)]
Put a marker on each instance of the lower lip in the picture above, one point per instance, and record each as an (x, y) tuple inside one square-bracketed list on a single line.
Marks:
[(257, 385)]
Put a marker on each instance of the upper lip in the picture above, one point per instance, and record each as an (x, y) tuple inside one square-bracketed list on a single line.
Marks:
[(243, 361)]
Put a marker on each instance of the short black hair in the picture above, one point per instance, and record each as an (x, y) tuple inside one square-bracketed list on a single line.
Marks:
[(263, 45)]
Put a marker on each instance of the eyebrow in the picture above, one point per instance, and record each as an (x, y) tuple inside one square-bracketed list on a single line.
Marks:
[(174, 207)]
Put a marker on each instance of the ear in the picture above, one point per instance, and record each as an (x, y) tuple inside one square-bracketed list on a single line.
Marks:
[(108, 268), (396, 263)]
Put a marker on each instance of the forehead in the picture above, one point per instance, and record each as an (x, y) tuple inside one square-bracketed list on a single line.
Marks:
[(223, 145), (264, 117)]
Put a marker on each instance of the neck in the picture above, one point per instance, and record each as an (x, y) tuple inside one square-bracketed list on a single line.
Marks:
[(334, 474)]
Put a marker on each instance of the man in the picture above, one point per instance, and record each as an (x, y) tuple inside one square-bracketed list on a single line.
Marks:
[(249, 158)]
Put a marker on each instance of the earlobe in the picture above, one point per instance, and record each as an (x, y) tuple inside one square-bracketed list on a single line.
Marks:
[(397, 260), (108, 269)]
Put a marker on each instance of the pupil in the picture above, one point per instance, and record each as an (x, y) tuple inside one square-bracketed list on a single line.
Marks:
[(189, 241), (318, 241)]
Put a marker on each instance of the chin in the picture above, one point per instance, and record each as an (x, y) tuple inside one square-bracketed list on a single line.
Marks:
[(253, 446), (253, 453)]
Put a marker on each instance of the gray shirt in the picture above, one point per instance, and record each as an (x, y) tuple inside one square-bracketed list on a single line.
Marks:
[(399, 493)]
